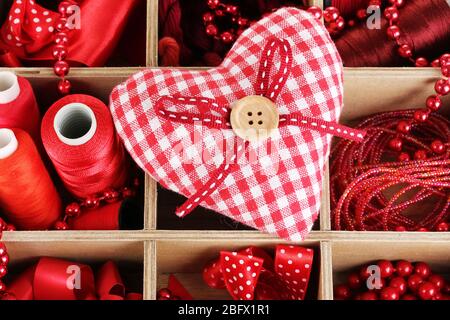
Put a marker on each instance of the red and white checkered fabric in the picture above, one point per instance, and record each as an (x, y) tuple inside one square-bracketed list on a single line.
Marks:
[(286, 200)]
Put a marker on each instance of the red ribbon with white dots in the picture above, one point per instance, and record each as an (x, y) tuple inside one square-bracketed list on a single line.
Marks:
[(212, 114), (252, 274)]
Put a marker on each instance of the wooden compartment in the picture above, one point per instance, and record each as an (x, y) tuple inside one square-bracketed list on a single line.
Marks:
[(186, 260), (350, 256), (128, 255)]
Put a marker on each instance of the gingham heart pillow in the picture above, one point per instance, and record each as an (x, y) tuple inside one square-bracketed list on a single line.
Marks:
[(176, 125)]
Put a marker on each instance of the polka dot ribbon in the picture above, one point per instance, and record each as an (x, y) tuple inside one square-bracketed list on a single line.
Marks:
[(251, 274), (28, 28), (212, 114)]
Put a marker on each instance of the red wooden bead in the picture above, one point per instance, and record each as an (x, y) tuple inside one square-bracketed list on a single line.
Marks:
[(339, 24), (369, 295), (62, 38), (233, 10), (211, 30), (409, 297), (227, 37), (389, 293), (3, 271), (61, 225), (2, 287), (386, 268), (420, 155), (405, 51), (437, 280), (111, 195), (342, 291), (61, 24), (354, 281), (208, 17), (331, 14), (444, 59), (315, 11), (73, 210), (422, 269), (391, 13), (445, 71), (438, 146), (393, 32), (421, 115), (212, 4), (404, 268), (4, 259), (396, 144), (436, 63), (433, 103), (242, 22), (438, 296), (2, 249), (10, 227), (402, 157), (426, 291), (59, 52), (61, 68), (220, 13), (421, 62), (404, 126), (364, 273), (442, 87), (91, 203), (414, 281), (63, 8), (442, 227), (423, 229), (2, 224), (64, 86), (399, 283)]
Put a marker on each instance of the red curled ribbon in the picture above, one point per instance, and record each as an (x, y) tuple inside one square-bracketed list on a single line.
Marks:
[(251, 274), (57, 279), (213, 115), (28, 32)]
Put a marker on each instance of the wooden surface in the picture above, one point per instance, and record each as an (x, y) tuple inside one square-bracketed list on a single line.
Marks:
[(163, 247)]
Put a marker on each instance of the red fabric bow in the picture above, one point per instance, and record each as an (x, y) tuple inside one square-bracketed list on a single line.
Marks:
[(213, 115), (56, 279), (251, 274), (28, 33)]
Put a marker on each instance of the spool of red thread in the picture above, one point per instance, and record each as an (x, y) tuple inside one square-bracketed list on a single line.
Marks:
[(28, 197), (18, 107), (79, 136)]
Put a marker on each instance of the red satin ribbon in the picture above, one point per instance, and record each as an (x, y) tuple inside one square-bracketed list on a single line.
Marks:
[(51, 279), (28, 32), (251, 274), (213, 115)]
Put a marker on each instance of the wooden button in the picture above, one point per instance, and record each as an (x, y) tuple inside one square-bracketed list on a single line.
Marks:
[(254, 118)]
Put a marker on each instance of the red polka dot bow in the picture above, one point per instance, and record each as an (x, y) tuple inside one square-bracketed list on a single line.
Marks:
[(176, 125), (28, 33), (251, 274)]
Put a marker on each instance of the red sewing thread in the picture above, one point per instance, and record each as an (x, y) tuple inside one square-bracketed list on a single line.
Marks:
[(399, 36), (28, 197), (79, 136)]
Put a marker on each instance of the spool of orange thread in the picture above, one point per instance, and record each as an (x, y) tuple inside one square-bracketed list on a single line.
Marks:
[(28, 197)]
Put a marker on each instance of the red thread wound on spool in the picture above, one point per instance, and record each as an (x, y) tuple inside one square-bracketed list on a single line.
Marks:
[(28, 197), (424, 25), (79, 137), (18, 107)]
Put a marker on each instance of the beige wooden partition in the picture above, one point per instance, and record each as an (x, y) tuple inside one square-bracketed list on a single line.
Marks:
[(166, 245)]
